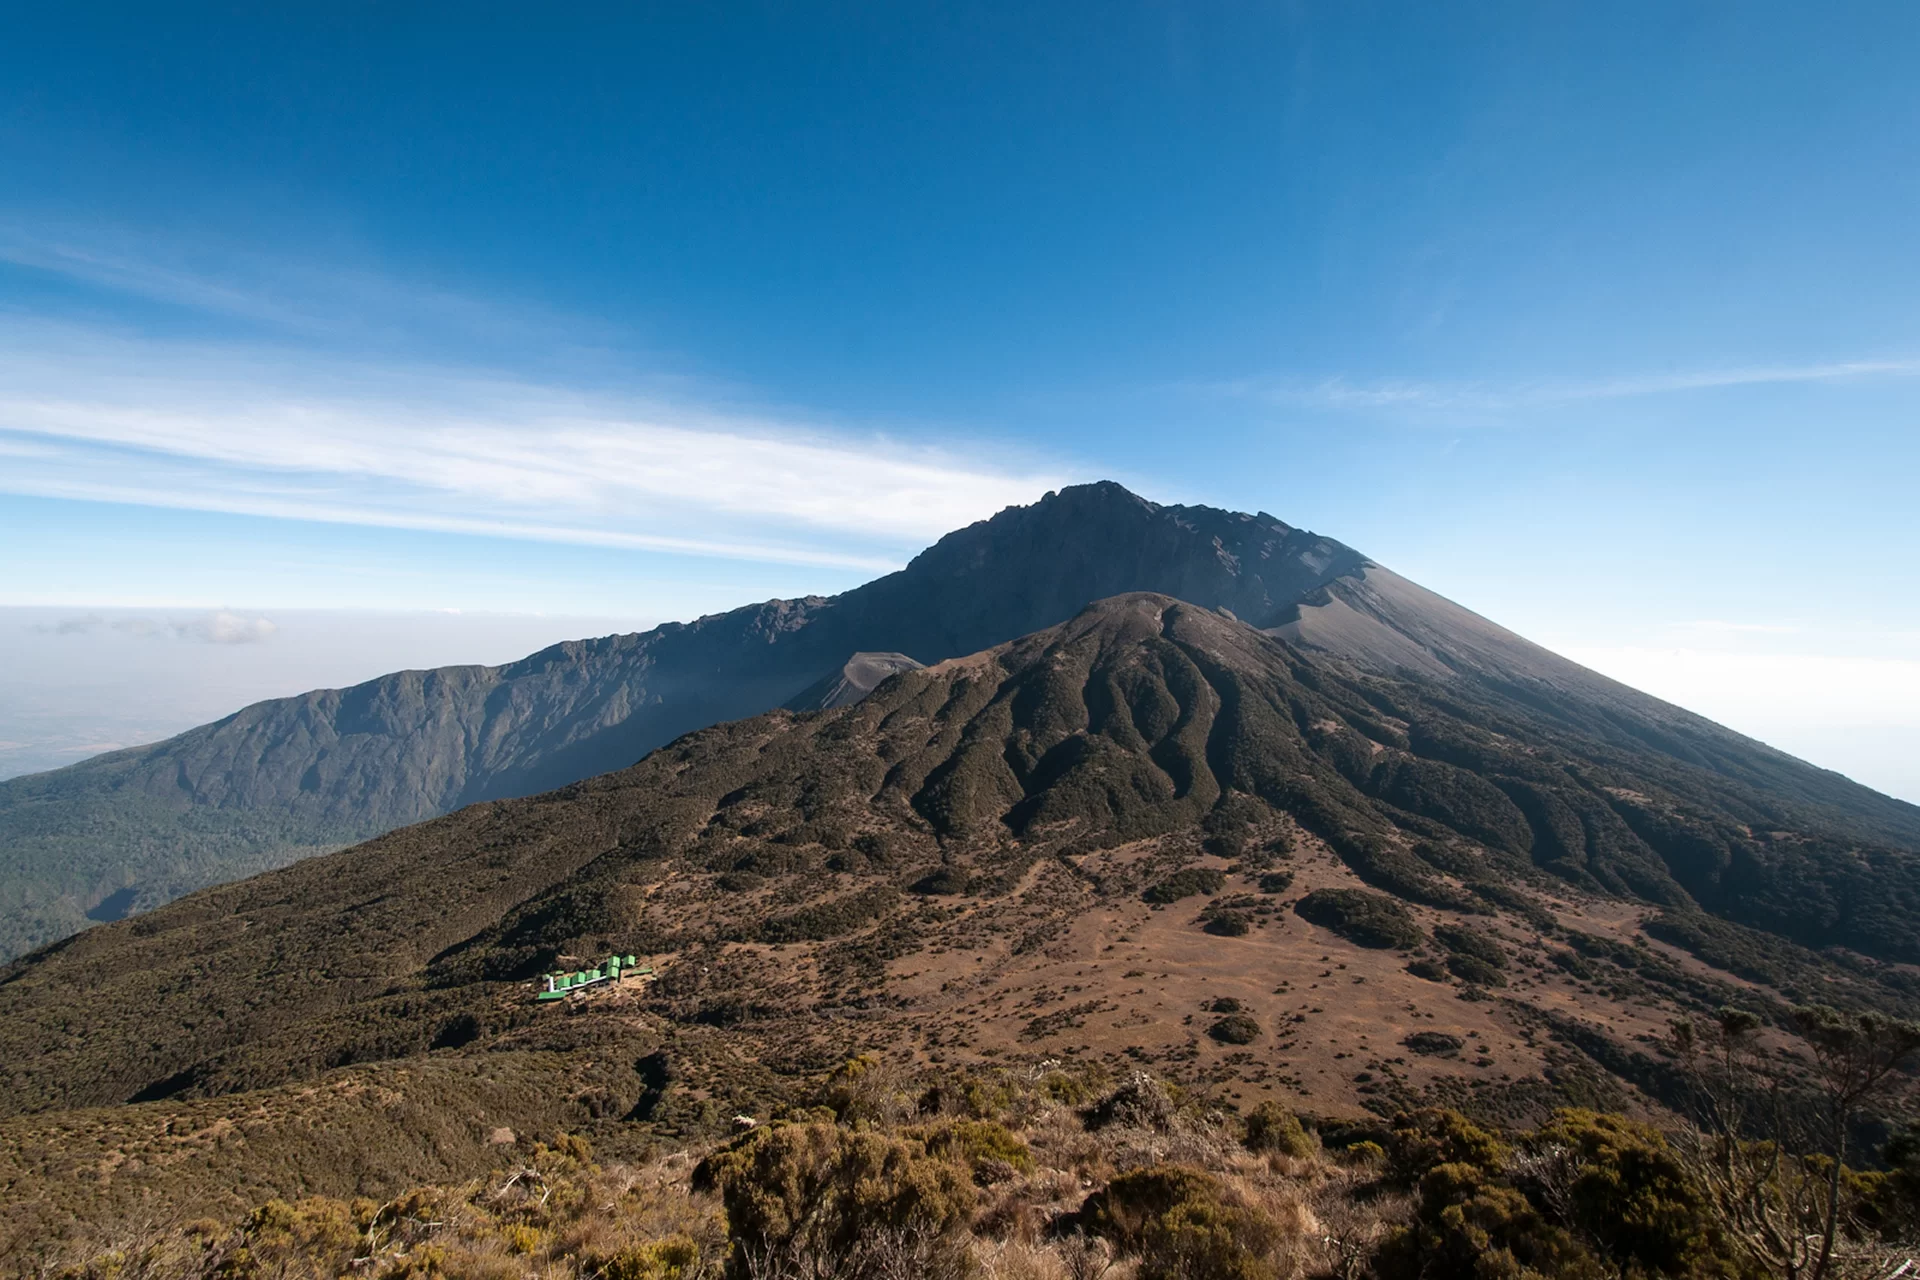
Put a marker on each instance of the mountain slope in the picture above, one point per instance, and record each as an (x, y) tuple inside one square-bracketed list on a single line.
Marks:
[(283, 779), (1076, 843), (1141, 720), (1379, 620)]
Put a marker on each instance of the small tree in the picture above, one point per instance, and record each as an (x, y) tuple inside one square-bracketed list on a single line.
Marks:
[(1773, 1145), (1858, 1059)]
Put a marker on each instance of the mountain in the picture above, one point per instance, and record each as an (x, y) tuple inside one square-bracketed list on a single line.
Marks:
[(1101, 841), (287, 778), (283, 779)]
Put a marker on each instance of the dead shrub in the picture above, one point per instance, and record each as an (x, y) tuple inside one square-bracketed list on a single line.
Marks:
[(1139, 1103)]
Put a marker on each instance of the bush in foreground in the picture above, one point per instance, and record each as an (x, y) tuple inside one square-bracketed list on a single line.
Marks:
[(822, 1194), (1183, 1222), (1274, 1130), (1006, 1180)]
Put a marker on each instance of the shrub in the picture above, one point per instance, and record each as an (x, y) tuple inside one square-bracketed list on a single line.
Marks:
[(864, 1090), (521, 1238), (1139, 1103), (1185, 883), (1462, 941), (832, 918), (1588, 1195), (1369, 919), (1338, 1133), (1474, 956), (1431, 970), (1068, 1088), (1276, 882), (1426, 1139), (818, 1193), (674, 1258), (1572, 962), (984, 1146), (1474, 969), (880, 848), (1622, 1187), (1902, 1157), (316, 1231), (1226, 827), (1182, 1222), (944, 880), (1235, 1028), (1229, 924), (1272, 1129), (1467, 1227), (1434, 1042)]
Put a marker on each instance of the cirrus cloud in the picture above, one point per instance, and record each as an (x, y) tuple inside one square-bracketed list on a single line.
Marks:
[(100, 418)]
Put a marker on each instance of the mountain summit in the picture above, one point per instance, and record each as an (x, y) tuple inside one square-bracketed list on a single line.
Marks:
[(284, 779)]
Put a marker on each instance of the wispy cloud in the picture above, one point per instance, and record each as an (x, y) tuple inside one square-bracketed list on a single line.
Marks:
[(335, 400), (104, 266), (90, 416), (339, 301), (1455, 399)]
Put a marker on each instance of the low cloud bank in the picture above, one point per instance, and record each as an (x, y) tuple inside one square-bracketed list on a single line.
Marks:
[(216, 627)]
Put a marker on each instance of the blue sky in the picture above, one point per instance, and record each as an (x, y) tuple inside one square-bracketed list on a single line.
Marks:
[(1598, 318)]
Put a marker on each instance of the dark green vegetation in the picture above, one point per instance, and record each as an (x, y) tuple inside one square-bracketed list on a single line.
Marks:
[(772, 860), (1583, 1196), (1235, 1028), (67, 850), (1370, 919), (1227, 923), (1274, 1130), (817, 1190), (1185, 883), (1276, 882), (1434, 1042), (1475, 957), (1739, 829)]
